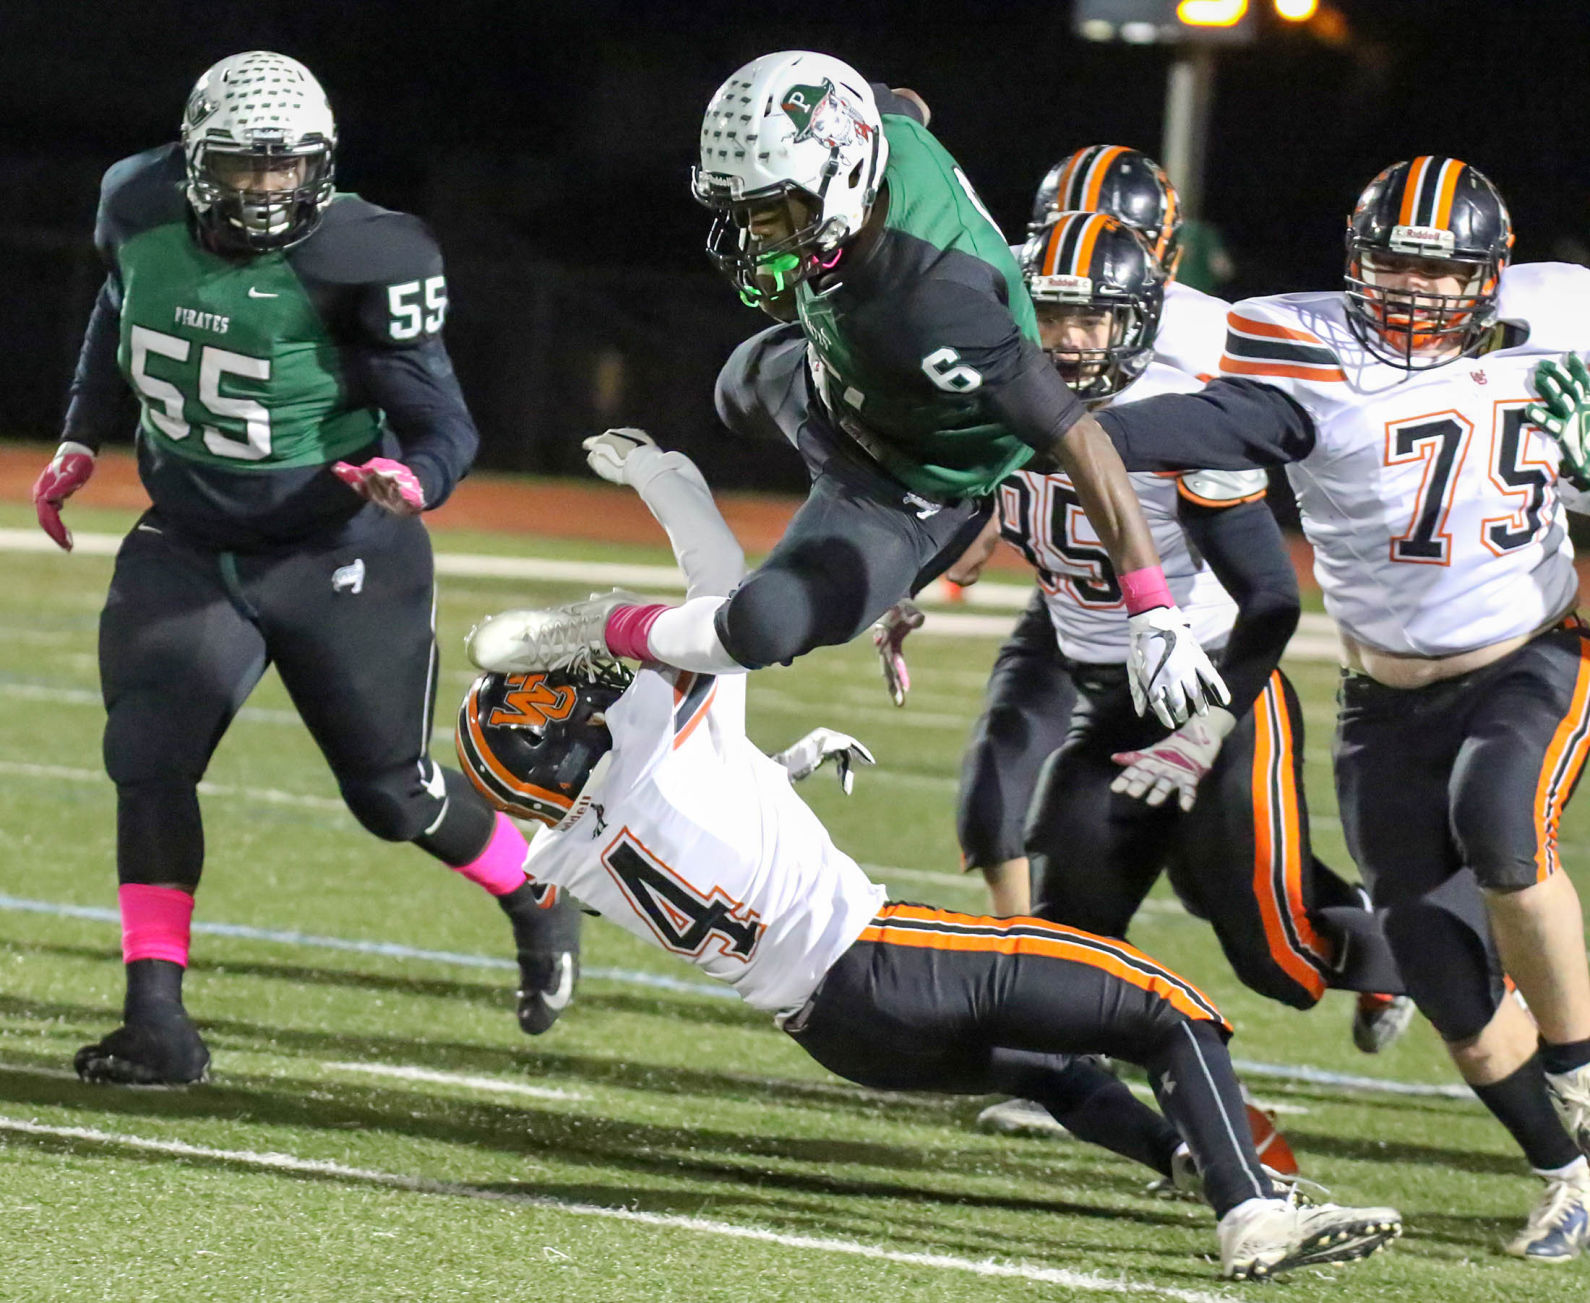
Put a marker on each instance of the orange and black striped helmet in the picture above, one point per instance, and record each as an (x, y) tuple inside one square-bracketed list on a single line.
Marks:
[(529, 742), (1441, 210), (1126, 184), (1092, 261)]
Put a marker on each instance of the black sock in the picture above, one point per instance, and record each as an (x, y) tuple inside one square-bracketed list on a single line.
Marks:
[(1198, 1090), (538, 931), (1522, 1105), (1564, 1057), (154, 990), (1089, 1102)]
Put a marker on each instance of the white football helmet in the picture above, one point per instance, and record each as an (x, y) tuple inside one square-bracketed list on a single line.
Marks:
[(797, 132), (259, 116)]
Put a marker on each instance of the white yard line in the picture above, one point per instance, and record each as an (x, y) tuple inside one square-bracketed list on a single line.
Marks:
[(270, 1161), (1314, 641), (463, 1080)]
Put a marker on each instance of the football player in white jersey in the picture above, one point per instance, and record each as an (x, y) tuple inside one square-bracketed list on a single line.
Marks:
[(1235, 840), (1436, 515), (668, 821)]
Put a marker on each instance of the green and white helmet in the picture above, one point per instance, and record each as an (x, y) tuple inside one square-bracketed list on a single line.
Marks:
[(258, 113), (793, 130)]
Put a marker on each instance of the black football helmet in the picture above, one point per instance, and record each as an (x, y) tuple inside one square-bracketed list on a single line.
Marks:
[(1125, 183), (1443, 212), (1091, 261), (529, 742)]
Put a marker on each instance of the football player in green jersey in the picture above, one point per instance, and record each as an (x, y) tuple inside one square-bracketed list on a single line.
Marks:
[(298, 413), (912, 383)]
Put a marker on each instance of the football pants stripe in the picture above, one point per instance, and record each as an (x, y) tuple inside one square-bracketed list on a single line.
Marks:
[(1559, 771), (924, 926), (1297, 949)]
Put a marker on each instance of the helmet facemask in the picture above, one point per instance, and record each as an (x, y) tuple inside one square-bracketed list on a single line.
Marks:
[(768, 243), (1418, 328), (1120, 342), (260, 199)]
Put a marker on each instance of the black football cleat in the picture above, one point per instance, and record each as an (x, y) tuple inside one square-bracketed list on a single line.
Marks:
[(546, 985), (167, 1052)]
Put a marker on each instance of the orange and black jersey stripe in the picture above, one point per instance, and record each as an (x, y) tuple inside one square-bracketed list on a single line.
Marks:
[(1263, 348), (924, 926), (693, 694)]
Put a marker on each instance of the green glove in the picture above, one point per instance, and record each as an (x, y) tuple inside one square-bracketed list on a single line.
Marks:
[(1564, 413)]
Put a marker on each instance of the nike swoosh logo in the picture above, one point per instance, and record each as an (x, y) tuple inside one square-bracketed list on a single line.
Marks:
[(261, 294), (563, 992)]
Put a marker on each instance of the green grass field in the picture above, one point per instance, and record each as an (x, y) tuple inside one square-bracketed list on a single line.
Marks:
[(378, 1129)]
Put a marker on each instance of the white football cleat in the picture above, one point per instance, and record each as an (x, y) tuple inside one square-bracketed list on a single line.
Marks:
[(1559, 1225), (1020, 1117), (1570, 1094), (1261, 1238), (545, 638), (1378, 1020)]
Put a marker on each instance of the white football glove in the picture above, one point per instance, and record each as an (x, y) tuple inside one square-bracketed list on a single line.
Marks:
[(888, 636), (1168, 670), (805, 757), (1176, 764), (608, 453)]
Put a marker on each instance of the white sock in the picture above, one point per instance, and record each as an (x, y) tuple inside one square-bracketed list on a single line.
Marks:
[(686, 638), (1577, 1168)]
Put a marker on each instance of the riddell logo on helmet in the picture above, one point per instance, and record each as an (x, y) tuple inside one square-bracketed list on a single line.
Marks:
[(1062, 287), (822, 114), (1421, 239)]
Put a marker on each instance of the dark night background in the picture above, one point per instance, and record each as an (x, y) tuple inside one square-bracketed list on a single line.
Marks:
[(549, 146)]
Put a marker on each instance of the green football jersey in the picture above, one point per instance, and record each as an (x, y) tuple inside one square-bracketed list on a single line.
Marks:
[(924, 348), (255, 372), (230, 359)]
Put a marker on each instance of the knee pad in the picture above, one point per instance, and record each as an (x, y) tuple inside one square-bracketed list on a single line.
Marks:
[(1495, 849), (770, 620), (1441, 943), (395, 804)]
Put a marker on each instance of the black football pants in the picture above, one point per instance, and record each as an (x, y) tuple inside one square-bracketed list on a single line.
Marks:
[(187, 632), (859, 543), (928, 999)]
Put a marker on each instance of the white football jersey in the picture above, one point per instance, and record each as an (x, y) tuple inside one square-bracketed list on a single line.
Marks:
[(695, 841), (1042, 517), (1192, 328), (1431, 503)]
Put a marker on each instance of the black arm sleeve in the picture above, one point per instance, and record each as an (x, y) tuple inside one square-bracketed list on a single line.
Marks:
[(98, 399), (1228, 425), (425, 409), (1033, 402), (1245, 549)]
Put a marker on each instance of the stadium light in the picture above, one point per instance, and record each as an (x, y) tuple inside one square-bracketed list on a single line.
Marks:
[(1213, 13), (1296, 11)]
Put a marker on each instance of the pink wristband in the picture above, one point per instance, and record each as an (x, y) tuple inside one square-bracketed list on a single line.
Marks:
[(1145, 589), (628, 628)]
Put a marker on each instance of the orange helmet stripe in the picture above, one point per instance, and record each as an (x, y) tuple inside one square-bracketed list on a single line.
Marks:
[(1087, 238), (1411, 188), (1095, 178)]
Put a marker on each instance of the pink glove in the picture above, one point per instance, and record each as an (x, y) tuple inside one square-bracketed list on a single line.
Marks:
[(64, 476), (389, 484), (888, 636)]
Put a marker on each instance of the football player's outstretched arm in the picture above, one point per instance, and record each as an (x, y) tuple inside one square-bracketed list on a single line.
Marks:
[(676, 494), (1231, 424)]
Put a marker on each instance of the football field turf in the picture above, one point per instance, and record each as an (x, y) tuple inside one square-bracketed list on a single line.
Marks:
[(377, 1128)]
